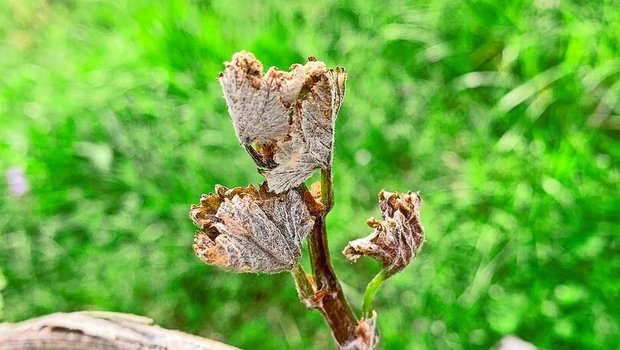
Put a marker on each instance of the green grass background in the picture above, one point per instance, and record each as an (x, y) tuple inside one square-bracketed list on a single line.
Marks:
[(504, 114)]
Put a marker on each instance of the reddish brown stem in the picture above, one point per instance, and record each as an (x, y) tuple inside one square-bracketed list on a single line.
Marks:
[(332, 303)]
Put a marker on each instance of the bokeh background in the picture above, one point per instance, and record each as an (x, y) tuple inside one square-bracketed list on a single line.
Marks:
[(504, 114)]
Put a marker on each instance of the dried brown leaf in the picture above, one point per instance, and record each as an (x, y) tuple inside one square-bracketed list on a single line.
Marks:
[(284, 119), (396, 239), (250, 230)]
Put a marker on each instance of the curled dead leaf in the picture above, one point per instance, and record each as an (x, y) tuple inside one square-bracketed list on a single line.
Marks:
[(285, 120), (250, 229), (396, 239)]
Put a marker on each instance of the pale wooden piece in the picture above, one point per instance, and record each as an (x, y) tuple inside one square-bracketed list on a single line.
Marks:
[(87, 330)]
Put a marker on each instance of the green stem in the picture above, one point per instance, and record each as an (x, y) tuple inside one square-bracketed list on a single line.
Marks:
[(304, 288), (371, 290), (327, 189)]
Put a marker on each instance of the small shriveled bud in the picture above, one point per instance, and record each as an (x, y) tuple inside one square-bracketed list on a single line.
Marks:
[(250, 230), (366, 335), (285, 120), (397, 238)]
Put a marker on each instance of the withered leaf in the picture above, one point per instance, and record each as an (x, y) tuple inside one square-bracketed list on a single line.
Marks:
[(284, 119), (395, 240), (250, 230)]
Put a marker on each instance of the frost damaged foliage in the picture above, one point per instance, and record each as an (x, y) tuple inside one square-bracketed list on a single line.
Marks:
[(395, 240), (285, 120), (250, 230)]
